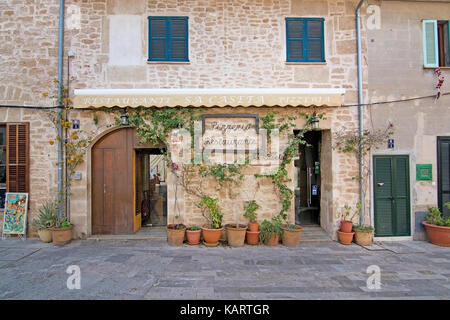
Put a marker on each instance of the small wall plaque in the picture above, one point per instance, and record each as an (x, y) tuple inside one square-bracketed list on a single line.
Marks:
[(390, 143), (424, 172), (75, 124)]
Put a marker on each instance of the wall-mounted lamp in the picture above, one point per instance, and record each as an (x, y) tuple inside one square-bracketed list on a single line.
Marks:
[(315, 121), (124, 118)]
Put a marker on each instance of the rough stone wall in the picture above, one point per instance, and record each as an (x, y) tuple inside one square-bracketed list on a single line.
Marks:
[(396, 71), (235, 44), (28, 64)]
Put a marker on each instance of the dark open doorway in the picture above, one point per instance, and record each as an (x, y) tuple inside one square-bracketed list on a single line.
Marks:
[(307, 191), (151, 187)]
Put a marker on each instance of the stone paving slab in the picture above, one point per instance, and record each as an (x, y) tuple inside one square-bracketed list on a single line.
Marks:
[(154, 270)]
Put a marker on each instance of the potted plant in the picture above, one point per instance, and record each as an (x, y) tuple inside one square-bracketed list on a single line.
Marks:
[(251, 215), (62, 231), (345, 233), (175, 233), (45, 221), (346, 219), (193, 234), (271, 231), (438, 227), (363, 235), (290, 236), (252, 234), (213, 230)]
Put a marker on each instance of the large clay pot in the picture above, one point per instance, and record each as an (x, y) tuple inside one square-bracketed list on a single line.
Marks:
[(273, 240), (345, 237), (193, 236), (437, 235), (211, 236), (236, 234), (252, 237), (291, 237), (62, 236), (253, 226), (175, 236), (364, 237), (45, 235), (346, 226)]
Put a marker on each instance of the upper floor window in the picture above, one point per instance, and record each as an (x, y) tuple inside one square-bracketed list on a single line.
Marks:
[(168, 39), (305, 40), (436, 43)]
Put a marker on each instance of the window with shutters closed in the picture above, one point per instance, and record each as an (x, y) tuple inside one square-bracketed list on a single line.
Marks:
[(436, 43), (305, 40), (168, 39), (14, 158)]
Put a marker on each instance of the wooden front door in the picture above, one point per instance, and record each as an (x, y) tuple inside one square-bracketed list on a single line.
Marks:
[(112, 183), (391, 194)]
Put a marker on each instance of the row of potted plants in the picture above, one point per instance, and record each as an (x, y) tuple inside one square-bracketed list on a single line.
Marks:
[(363, 235), (268, 233), (51, 227), (436, 225)]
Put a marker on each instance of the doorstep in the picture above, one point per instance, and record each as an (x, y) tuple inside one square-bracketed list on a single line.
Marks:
[(145, 233)]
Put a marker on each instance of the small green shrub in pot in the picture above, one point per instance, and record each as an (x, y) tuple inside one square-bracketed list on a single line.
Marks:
[(45, 221), (271, 229), (438, 227)]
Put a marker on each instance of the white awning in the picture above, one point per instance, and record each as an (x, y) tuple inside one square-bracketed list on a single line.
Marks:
[(97, 98)]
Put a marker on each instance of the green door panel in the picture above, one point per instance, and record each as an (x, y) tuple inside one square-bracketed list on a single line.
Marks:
[(391, 196)]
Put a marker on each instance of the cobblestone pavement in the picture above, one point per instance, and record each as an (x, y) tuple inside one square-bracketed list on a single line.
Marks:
[(153, 270)]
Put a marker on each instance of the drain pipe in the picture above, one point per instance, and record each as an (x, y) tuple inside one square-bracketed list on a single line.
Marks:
[(58, 124), (360, 110)]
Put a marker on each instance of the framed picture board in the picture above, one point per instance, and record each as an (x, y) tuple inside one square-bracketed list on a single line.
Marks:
[(15, 215)]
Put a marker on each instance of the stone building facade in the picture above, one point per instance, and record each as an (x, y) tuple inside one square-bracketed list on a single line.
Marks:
[(397, 71), (232, 44)]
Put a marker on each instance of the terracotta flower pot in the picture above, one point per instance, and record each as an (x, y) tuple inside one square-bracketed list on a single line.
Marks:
[(62, 236), (346, 226), (273, 240), (175, 237), (236, 234), (291, 237), (253, 226), (437, 235), (345, 237), (45, 235), (193, 236), (364, 237), (252, 237), (211, 236)]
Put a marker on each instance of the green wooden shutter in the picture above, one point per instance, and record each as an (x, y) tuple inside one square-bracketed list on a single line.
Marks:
[(430, 43), (383, 196), (402, 224), (178, 41), (295, 41), (157, 39)]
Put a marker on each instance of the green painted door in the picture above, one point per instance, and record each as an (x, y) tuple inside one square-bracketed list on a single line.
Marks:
[(444, 174), (391, 196)]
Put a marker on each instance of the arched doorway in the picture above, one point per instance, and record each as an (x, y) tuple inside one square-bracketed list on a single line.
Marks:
[(112, 183)]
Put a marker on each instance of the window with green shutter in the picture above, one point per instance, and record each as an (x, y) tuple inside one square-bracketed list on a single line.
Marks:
[(305, 40), (436, 43), (168, 39)]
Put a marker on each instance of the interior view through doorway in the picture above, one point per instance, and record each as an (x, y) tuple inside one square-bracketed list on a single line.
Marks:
[(151, 187), (308, 191)]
